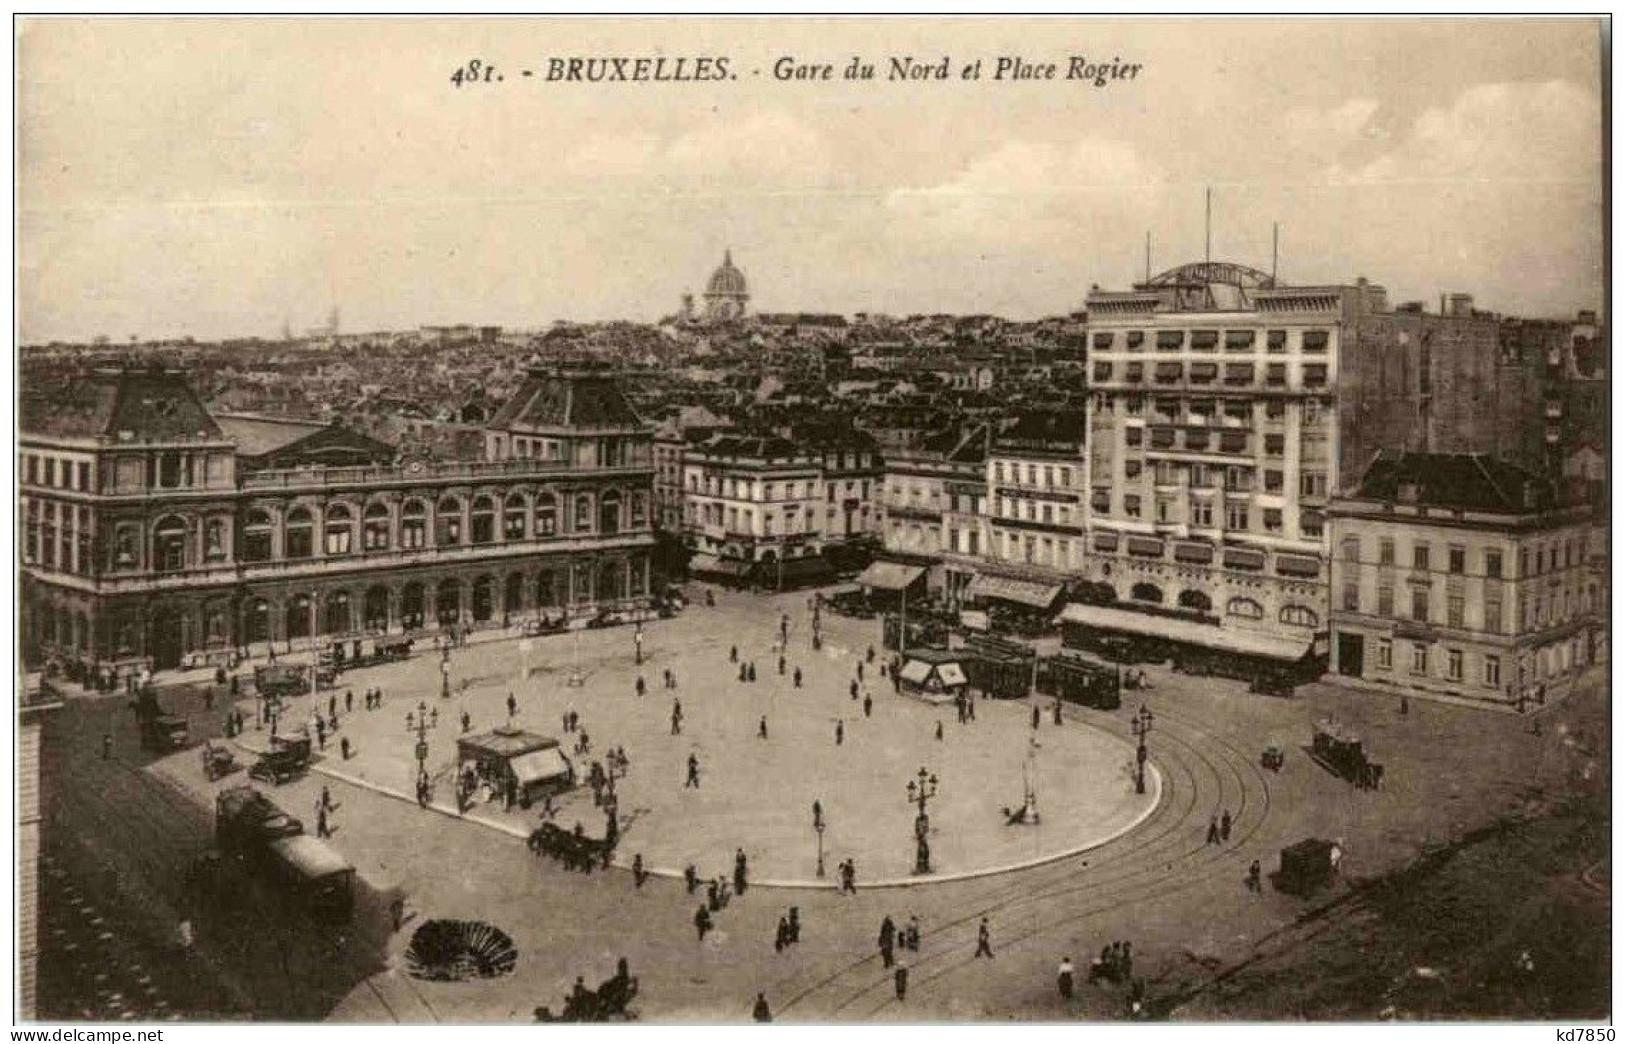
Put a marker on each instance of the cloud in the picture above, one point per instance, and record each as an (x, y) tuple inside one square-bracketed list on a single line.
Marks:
[(1512, 133), (1031, 191), (763, 153)]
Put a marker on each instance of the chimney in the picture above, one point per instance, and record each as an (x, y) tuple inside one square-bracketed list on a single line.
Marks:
[(1461, 305)]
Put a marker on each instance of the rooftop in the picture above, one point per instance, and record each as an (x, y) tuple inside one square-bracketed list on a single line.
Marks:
[(1456, 482), (558, 400)]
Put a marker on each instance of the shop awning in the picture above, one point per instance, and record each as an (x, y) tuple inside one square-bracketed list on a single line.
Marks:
[(1023, 592), (1199, 553), (540, 765), (1297, 565), (1172, 629), (890, 576), (1148, 547), (915, 671), (704, 563), (952, 674), (796, 568), (1105, 541), (1243, 558)]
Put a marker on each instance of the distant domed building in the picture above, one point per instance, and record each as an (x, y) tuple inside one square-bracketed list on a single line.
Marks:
[(726, 295)]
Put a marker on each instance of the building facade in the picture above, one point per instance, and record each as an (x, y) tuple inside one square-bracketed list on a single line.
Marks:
[(154, 533), (935, 491), (753, 507), (1465, 576)]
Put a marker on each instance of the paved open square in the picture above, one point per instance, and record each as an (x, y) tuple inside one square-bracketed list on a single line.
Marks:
[(754, 793)]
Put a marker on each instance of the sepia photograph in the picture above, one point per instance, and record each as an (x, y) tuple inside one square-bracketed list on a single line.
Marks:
[(692, 520)]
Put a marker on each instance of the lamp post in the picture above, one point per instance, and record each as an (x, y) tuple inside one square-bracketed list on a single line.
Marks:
[(818, 828), (445, 671), (421, 751), (1140, 725), (919, 793)]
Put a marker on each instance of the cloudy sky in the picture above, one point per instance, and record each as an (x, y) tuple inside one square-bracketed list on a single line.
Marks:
[(217, 179)]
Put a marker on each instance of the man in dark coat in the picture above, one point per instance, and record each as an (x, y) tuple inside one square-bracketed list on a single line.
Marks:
[(739, 871)]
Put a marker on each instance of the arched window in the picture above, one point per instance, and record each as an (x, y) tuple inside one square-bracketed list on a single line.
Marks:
[(483, 599), (609, 513), (257, 537), (448, 602), (513, 517), (414, 527), (336, 613), (608, 583), (338, 530), (448, 523), (375, 528), (412, 605), (375, 609), (298, 616), (82, 629), (214, 539), (482, 520), (1245, 608), (168, 545), (257, 622), (1146, 593), (640, 511), (549, 587), (513, 593), (296, 538), (547, 514), (1299, 616), (582, 521), (1194, 599)]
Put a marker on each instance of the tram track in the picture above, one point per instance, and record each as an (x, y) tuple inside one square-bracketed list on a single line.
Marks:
[(1140, 866)]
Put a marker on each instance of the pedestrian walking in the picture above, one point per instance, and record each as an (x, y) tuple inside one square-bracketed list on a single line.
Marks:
[(860, 671), (1224, 826), (781, 666), (513, 705), (781, 936), (753, 670), (1255, 874), (760, 1012), (107, 745), (321, 821), (637, 641), (853, 688), (739, 871), (984, 945), (1057, 710), (676, 718), (349, 700), (693, 779), (1213, 831), (939, 731), (1035, 717), (691, 878), (1064, 978), (761, 728), (899, 978), (641, 687), (321, 734), (467, 721), (344, 749), (840, 732), (702, 921), (797, 677), (870, 658), (868, 704), (333, 705), (795, 924), (733, 654), (888, 935), (744, 672), (911, 934)]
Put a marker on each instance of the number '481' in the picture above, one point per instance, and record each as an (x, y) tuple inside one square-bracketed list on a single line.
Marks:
[(474, 71)]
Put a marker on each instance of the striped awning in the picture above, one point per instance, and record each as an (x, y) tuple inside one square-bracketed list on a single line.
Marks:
[(1200, 553), (1247, 643), (890, 576), (1009, 589), (1243, 558), (1149, 547), (1297, 565), (705, 563)]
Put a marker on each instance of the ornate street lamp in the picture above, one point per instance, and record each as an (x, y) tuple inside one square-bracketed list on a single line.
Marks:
[(1140, 725), (818, 828), (919, 793)]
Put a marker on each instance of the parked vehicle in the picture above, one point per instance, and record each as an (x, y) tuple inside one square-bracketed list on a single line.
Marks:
[(287, 759), (159, 730)]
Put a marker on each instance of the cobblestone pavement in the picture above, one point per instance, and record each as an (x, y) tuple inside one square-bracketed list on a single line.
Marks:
[(1179, 900)]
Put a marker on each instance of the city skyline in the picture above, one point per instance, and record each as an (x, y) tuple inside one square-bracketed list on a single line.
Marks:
[(252, 200)]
